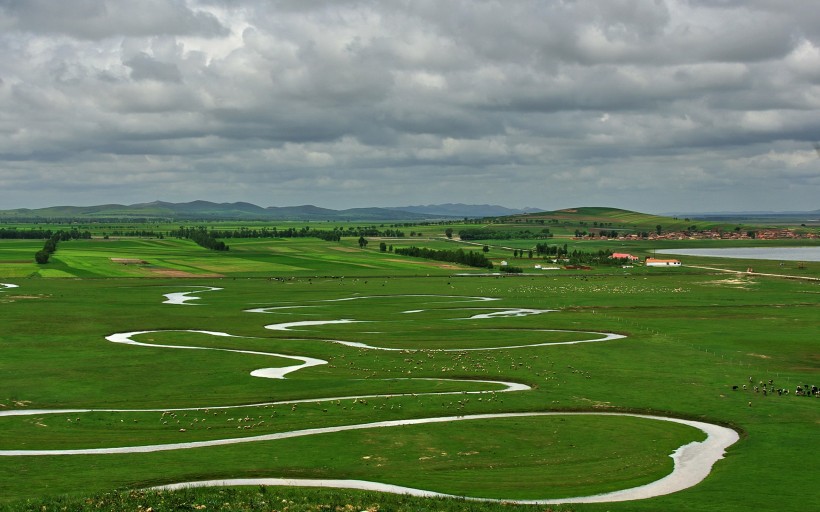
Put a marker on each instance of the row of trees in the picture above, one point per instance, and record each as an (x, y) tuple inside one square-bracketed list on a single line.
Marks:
[(370, 231), (27, 234), (201, 237), (470, 258), (551, 250), (50, 247), (333, 235), (601, 257), (42, 234), (493, 234), (263, 232), (209, 239), (145, 233)]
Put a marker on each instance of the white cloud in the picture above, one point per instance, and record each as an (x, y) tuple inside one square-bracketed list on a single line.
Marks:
[(807, 159), (511, 102)]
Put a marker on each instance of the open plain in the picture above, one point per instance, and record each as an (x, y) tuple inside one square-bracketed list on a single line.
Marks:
[(306, 365)]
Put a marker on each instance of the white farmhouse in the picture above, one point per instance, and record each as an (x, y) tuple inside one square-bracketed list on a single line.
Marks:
[(655, 262)]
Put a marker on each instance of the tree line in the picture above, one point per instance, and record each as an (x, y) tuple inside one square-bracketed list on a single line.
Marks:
[(370, 231), (493, 234), (201, 237), (42, 234), (550, 250), (327, 235), (137, 232), (333, 235), (469, 258), (601, 257), (50, 247)]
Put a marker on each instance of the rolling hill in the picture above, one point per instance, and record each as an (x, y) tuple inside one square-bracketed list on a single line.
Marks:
[(610, 218)]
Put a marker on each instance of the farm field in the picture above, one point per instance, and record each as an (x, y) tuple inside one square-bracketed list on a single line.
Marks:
[(389, 342), (309, 257), (133, 257)]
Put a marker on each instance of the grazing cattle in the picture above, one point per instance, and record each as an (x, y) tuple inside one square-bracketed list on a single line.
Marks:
[(734, 388)]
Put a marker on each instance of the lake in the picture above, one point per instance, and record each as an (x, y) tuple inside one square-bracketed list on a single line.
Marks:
[(752, 253)]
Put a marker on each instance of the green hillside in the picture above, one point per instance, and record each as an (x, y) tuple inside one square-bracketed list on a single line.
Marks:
[(612, 218)]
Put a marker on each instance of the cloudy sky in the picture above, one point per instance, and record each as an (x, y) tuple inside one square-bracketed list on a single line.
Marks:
[(651, 105)]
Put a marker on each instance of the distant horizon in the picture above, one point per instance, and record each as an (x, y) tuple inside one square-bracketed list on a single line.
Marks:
[(346, 206), (669, 214)]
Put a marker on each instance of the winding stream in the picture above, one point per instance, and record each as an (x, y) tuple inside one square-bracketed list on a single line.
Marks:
[(692, 462), (185, 298)]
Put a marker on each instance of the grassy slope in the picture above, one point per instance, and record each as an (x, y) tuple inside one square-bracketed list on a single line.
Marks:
[(611, 218)]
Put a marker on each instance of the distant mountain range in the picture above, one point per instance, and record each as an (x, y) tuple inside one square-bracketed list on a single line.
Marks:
[(206, 210)]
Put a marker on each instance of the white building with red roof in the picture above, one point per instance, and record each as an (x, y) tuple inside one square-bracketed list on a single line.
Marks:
[(656, 262), (624, 256)]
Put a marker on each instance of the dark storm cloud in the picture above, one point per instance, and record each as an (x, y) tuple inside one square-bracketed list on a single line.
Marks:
[(352, 103)]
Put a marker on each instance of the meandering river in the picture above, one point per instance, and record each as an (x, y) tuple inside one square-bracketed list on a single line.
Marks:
[(692, 462)]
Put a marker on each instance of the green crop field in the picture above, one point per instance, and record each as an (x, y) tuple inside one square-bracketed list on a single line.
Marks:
[(157, 343)]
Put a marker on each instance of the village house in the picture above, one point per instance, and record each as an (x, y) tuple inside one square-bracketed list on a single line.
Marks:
[(624, 256), (656, 262)]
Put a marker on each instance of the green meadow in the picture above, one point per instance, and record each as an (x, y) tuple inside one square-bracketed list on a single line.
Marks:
[(396, 338)]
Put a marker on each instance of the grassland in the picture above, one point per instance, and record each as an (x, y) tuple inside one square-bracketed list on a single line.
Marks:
[(690, 335)]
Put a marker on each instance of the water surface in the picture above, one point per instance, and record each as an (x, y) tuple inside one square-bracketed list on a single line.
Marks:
[(752, 253)]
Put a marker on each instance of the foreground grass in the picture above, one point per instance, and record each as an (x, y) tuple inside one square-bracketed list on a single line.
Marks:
[(690, 338), (258, 499)]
